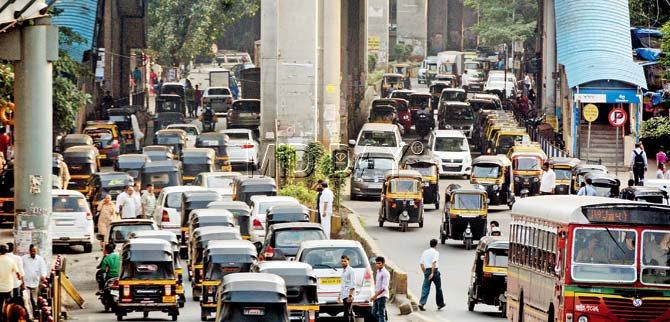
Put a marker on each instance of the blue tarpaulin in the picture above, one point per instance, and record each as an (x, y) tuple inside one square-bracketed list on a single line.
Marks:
[(78, 15)]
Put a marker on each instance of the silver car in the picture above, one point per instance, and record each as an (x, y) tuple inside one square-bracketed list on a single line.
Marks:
[(368, 175)]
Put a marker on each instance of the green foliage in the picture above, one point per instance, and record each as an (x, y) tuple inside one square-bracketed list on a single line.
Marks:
[(287, 158), (401, 52), (504, 21), (372, 62), (6, 82), (301, 192), (180, 30), (314, 153), (655, 133), (67, 97), (665, 48), (652, 13), (375, 77)]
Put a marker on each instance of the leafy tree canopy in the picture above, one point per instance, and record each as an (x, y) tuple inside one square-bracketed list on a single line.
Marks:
[(649, 13), (504, 21)]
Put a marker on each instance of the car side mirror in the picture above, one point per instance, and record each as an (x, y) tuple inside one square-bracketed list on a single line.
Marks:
[(352, 143), (99, 237)]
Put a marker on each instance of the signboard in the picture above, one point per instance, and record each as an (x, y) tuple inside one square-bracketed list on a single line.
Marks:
[(340, 159), (590, 112), (591, 98), (617, 117), (374, 43)]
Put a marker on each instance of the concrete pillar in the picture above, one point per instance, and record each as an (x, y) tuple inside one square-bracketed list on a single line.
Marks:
[(378, 31), (330, 17), (268, 63), (412, 24), (437, 26), (549, 64), (354, 66)]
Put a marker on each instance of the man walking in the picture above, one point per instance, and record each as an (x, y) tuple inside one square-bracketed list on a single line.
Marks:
[(326, 207), (431, 274), (125, 203), (148, 201), (548, 182), (35, 269), (16, 292), (347, 288), (381, 290), (8, 272), (588, 189), (638, 163)]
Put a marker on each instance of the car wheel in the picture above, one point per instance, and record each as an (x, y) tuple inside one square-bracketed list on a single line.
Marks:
[(471, 305), (145, 314), (119, 317), (353, 197), (88, 248)]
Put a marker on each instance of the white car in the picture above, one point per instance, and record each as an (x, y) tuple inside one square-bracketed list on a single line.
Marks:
[(378, 138), (71, 220), (324, 256), (259, 206), (167, 214), (219, 98), (510, 88), (221, 182), (242, 148), (452, 150), (192, 132)]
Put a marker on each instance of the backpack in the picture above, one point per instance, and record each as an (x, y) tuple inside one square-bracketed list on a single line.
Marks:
[(208, 115), (639, 160)]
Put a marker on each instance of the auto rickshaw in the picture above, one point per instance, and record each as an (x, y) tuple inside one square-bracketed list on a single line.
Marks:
[(240, 211), (605, 184), (147, 279), (206, 217), (403, 69), (71, 140), (491, 97), (648, 194), (401, 93), (418, 101), (158, 152), (201, 237), (387, 114), (162, 120), (170, 103), (527, 161), (131, 164), (435, 90), (82, 161), (507, 137), (106, 183), (197, 160), (580, 171), (221, 258), (300, 278), (494, 174), (245, 187), (176, 139), (106, 137), (191, 200), (488, 282), (563, 168), (218, 142), (465, 213), (162, 174), (428, 168), (123, 118), (285, 214), (402, 199), (179, 270), (391, 82), (248, 297)]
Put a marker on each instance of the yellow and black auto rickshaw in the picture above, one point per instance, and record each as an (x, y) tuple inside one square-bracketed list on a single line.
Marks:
[(172, 239), (465, 213), (82, 161), (428, 168), (147, 280), (506, 138), (252, 297), (402, 199), (581, 170), (198, 243), (301, 285), (192, 200), (218, 142), (107, 138), (488, 282), (195, 161), (494, 174), (175, 138), (391, 82), (563, 168), (383, 110), (403, 69), (527, 171), (223, 257)]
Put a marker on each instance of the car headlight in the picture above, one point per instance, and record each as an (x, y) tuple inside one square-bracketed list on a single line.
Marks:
[(358, 179), (583, 318), (536, 179), (496, 187), (517, 179)]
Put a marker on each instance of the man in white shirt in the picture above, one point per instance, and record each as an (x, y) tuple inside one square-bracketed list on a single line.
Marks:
[(36, 271), (137, 197), (8, 272), (381, 294), (347, 288), (326, 207), (548, 182), (148, 201), (125, 204), (19, 263), (429, 266)]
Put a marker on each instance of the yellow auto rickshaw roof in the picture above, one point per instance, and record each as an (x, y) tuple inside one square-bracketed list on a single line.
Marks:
[(412, 174), (499, 159), (393, 75), (512, 131), (562, 161), (540, 154)]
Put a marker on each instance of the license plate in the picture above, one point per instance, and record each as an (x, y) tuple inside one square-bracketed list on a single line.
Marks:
[(426, 184), (257, 311), (114, 293), (330, 281), (169, 299), (102, 156), (376, 186)]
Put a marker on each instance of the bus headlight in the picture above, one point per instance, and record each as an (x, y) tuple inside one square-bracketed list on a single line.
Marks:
[(517, 179), (583, 318)]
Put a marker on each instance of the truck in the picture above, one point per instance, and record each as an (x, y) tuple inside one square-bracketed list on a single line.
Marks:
[(250, 81), (219, 78), (451, 62)]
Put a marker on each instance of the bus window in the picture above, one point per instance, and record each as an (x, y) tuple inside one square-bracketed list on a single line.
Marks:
[(602, 255), (656, 257)]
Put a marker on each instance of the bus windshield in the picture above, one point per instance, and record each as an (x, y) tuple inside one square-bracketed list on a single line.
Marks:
[(656, 257), (604, 255)]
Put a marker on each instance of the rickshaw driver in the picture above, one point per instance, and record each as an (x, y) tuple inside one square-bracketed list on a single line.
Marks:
[(423, 110), (403, 186)]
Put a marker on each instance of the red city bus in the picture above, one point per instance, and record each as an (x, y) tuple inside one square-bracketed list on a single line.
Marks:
[(588, 259)]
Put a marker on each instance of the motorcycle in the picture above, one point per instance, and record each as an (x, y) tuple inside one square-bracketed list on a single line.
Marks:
[(108, 291), (424, 124)]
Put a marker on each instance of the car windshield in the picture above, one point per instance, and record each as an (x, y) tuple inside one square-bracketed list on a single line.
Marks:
[(69, 204), (505, 142), (403, 186), (264, 206), (453, 96), (470, 66), (527, 164), (119, 233), (292, 238), (656, 257), (419, 101), (373, 167), (497, 258), (453, 144), (147, 271), (100, 136), (194, 169), (651, 41), (459, 112), (563, 174), (174, 200), (160, 180), (432, 67), (120, 180), (238, 136), (247, 107), (329, 257), (218, 91), (604, 255), (377, 138), (486, 171), (168, 106), (467, 201), (219, 182)]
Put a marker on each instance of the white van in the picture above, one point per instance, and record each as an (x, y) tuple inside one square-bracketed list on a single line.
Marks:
[(71, 220), (378, 138), (452, 149)]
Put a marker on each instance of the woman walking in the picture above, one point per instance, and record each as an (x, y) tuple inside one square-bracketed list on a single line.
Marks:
[(108, 214)]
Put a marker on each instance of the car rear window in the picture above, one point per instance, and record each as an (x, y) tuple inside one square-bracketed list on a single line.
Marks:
[(218, 91), (69, 204), (238, 136), (174, 200), (119, 233), (293, 237), (329, 257), (247, 107)]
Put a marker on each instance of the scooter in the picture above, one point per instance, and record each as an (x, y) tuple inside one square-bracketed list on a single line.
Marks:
[(424, 124), (108, 292)]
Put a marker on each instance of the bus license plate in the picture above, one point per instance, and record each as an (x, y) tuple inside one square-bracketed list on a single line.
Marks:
[(330, 281), (169, 299)]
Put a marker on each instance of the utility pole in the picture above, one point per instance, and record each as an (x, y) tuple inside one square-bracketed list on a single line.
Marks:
[(32, 48)]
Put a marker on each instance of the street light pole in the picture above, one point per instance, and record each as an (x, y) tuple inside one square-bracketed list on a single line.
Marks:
[(505, 67)]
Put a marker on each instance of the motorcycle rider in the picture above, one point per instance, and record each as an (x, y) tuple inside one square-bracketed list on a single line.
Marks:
[(208, 119), (110, 265)]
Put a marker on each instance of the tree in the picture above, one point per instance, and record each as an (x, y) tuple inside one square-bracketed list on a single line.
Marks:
[(649, 13), (504, 21), (180, 30)]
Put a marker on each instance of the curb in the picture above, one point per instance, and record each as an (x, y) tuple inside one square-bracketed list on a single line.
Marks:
[(418, 317)]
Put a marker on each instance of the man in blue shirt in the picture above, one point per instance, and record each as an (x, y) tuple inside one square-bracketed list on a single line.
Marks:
[(588, 189)]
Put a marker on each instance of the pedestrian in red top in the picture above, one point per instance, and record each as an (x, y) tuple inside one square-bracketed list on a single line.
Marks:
[(5, 142)]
